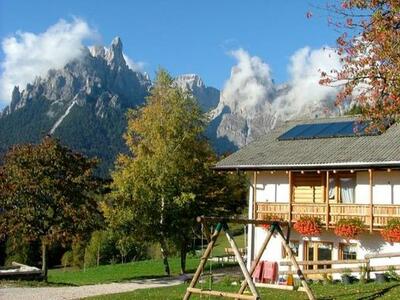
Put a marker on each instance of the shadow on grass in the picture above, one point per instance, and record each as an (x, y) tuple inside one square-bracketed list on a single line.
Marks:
[(363, 295), (379, 293)]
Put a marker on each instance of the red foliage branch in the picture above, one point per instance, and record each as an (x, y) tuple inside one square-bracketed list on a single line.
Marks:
[(370, 53)]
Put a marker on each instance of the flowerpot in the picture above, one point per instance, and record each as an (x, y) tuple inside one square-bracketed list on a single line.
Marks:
[(346, 279), (380, 277)]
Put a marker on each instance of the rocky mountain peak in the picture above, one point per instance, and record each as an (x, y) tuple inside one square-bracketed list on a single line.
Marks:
[(114, 55), (207, 97), (189, 81)]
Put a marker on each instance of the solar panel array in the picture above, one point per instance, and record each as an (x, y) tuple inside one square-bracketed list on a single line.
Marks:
[(326, 130)]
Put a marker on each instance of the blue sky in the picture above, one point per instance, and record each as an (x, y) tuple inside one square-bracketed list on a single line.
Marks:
[(184, 36)]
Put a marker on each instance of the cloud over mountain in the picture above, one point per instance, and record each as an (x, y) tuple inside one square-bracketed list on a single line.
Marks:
[(304, 69), (28, 55)]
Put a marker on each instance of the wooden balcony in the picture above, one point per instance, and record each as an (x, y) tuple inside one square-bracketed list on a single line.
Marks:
[(330, 214)]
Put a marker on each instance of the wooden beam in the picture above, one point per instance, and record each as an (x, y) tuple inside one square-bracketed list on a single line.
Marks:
[(327, 199), (275, 286), (327, 262), (341, 270), (254, 195), (242, 266), (221, 294), (204, 219), (203, 261), (290, 196), (371, 207), (295, 264), (382, 255), (257, 259)]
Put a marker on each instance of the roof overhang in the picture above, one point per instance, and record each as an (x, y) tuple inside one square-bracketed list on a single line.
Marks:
[(324, 166)]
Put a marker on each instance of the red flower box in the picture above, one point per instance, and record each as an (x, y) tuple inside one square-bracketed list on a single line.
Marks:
[(349, 228), (308, 226), (391, 233)]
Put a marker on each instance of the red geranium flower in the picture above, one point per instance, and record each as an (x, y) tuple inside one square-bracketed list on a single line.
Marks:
[(308, 226), (349, 228)]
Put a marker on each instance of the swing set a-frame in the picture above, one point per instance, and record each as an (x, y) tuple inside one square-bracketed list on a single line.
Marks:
[(275, 227)]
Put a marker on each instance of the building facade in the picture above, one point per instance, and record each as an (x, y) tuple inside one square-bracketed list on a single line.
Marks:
[(321, 169)]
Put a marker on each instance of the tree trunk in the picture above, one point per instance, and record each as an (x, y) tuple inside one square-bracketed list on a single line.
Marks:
[(44, 261), (183, 258), (164, 253)]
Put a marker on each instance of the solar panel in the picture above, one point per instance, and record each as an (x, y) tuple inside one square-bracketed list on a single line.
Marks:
[(326, 130)]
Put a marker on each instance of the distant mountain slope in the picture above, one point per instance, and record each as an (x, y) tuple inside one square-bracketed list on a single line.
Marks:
[(82, 104)]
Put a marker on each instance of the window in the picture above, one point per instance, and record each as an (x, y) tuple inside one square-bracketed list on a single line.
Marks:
[(342, 187), (332, 185), (294, 245), (347, 251), (347, 189)]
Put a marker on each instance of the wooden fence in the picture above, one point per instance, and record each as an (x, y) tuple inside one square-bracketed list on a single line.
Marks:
[(358, 265)]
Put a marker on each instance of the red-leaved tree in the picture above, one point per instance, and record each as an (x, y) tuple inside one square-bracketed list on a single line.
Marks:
[(369, 47)]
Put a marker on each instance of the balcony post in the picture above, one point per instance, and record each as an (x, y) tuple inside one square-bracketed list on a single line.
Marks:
[(327, 199), (371, 207), (255, 195), (290, 197)]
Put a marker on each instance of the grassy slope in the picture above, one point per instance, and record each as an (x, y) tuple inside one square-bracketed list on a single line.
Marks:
[(387, 291)]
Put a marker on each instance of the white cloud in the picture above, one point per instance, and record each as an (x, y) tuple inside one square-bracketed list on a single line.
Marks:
[(28, 55), (250, 89), (136, 66), (249, 85), (305, 91)]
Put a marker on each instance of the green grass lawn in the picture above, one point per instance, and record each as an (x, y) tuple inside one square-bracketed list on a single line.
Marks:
[(390, 290), (120, 272)]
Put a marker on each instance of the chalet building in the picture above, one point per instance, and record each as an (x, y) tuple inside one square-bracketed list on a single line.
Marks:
[(326, 168)]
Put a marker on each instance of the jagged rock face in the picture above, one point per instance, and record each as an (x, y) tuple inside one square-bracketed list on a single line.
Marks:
[(208, 97), (92, 91)]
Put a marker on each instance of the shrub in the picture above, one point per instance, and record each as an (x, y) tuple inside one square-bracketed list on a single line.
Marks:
[(66, 259), (349, 228), (391, 232), (20, 251), (78, 253), (309, 226)]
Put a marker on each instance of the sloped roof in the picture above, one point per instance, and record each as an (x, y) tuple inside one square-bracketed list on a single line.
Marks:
[(336, 152)]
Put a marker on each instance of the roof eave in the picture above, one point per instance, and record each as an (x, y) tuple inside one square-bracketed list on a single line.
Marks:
[(348, 165)]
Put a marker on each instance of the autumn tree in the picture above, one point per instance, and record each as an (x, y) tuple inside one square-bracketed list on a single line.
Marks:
[(47, 194), (370, 53), (166, 180)]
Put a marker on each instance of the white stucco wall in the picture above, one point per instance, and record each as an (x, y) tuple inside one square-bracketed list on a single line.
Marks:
[(272, 187), (386, 187)]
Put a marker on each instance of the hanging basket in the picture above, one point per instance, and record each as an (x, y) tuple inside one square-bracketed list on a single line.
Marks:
[(391, 232), (349, 228), (308, 226)]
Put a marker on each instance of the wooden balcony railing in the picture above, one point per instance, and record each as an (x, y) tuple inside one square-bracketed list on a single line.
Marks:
[(381, 213)]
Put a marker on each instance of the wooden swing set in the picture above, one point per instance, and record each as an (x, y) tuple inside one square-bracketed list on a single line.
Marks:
[(275, 227)]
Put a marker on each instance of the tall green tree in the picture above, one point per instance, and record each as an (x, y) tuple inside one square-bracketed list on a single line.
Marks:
[(47, 194), (167, 180)]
